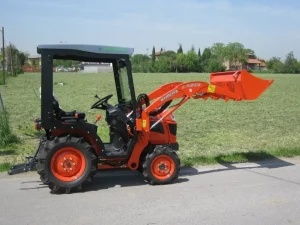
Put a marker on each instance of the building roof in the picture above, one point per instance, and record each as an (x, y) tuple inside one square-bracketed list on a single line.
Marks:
[(100, 49), (162, 52), (263, 64), (34, 57), (253, 61)]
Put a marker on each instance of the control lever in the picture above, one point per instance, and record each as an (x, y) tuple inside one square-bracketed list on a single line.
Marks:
[(97, 119)]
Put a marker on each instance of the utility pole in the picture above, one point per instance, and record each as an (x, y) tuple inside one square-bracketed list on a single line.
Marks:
[(11, 60), (3, 56)]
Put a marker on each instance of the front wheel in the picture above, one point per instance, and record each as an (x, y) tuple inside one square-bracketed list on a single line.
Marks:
[(162, 166)]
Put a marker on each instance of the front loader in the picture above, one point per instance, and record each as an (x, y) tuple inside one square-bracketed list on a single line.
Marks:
[(142, 129)]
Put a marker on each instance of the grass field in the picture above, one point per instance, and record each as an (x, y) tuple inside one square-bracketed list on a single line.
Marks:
[(208, 131)]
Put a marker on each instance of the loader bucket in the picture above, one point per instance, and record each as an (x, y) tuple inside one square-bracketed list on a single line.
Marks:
[(244, 85)]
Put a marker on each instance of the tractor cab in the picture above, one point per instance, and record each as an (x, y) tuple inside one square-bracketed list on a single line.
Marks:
[(120, 117)]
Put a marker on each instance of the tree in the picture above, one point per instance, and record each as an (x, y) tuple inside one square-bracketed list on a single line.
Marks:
[(179, 49), (251, 52), (236, 52), (11, 56), (193, 48), (200, 69), (276, 65), (153, 55), (279, 67), (206, 54), (140, 63), (163, 65), (191, 61), (291, 64), (181, 62), (14, 59), (199, 53), (139, 58), (219, 50), (205, 58), (271, 62), (215, 65), (217, 57), (23, 57)]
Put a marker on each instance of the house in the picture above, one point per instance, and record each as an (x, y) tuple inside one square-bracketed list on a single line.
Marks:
[(32, 64), (96, 67), (164, 52), (252, 63), (231, 65), (263, 64), (34, 60)]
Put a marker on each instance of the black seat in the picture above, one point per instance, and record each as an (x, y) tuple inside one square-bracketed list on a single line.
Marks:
[(59, 113)]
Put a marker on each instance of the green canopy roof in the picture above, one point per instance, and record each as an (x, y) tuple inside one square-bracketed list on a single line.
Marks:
[(101, 49)]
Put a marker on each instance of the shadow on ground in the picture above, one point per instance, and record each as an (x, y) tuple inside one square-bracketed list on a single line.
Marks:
[(126, 180), (267, 161), (7, 152), (106, 180), (123, 178)]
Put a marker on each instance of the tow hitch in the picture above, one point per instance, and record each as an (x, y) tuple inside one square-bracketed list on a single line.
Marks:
[(31, 161), (30, 165)]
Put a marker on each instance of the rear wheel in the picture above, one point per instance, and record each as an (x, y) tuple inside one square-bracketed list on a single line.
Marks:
[(162, 166), (66, 163)]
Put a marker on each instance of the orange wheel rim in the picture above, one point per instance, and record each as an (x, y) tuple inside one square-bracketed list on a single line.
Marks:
[(68, 164), (162, 167)]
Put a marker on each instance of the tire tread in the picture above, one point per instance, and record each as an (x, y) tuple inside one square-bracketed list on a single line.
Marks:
[(45, 174)]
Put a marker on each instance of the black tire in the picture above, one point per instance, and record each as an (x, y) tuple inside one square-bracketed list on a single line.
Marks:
[(44, 163), (158, 152), (140, 168)]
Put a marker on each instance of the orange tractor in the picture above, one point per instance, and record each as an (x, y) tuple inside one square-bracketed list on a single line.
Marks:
[(142, 129)]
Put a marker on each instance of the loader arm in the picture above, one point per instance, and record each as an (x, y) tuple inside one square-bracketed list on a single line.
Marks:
[(234, 85), (162, 90)]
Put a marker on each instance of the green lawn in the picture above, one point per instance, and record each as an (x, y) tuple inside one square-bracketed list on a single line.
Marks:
[(207, 131)]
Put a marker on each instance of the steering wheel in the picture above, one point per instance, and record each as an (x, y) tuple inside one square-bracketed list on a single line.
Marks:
[(101, 103)]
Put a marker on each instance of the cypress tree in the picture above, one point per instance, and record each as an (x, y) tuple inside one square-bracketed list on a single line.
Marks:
[(153, 55)]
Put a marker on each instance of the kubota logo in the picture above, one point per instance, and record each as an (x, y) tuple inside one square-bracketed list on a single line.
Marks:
[(191, 85), (169, 95)]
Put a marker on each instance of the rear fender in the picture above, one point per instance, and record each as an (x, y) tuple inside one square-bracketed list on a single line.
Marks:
[(92, 139)]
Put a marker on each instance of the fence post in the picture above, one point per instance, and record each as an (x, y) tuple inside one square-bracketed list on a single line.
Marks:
[(1, 103), (3, 55), (2, 109)]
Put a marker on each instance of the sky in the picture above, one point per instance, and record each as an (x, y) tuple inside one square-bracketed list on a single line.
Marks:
[(270, 28)]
